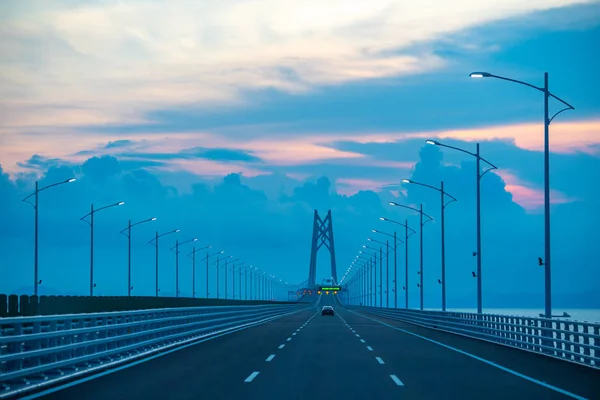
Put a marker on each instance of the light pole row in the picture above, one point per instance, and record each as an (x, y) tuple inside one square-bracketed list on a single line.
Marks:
[(479, 174), (547, 120)]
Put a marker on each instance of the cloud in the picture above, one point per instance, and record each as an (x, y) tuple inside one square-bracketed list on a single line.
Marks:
[(110, 61), (271, 227), (527, 196), (215, 154), (38, 162), (118, 143)]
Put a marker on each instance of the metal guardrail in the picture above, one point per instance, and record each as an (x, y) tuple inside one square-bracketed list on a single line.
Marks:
[(37, 351), (568, 340)]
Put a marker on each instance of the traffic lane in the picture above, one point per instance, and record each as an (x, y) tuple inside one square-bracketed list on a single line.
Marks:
[(431, 371), (324, 358), (213, 369), (569, 376)]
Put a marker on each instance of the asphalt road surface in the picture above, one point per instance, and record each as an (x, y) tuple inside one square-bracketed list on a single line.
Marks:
[(351, 356)]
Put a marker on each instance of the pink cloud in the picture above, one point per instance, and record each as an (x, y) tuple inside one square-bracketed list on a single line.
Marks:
[(566, 137), (527, 197)]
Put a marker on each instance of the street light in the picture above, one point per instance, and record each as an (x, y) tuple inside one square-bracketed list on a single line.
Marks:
[(478, 177), (370, 276), (154, 242), (547, 121), (353, 284), (240, 278), (387, 269), (217, 263), (226, 284), (246, 268), (36, 280), (91, 223), (380, 274), (207, 269), (364, 281), (421, 224), (176, 247), (443, 205), (396, 240), (406, 236), (193, 255), (128, 230)]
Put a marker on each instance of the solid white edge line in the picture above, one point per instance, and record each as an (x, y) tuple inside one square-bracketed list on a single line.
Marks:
[(483, 360), (271, 357), (379, 360), (145, 359), (396, 380), (251, 377)]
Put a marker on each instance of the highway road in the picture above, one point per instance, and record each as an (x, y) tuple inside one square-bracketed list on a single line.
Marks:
[(307, 355)]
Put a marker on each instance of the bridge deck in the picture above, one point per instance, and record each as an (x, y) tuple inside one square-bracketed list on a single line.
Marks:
[(307, 355)]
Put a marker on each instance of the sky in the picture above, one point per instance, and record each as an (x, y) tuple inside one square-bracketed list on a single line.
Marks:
[(234, 120)]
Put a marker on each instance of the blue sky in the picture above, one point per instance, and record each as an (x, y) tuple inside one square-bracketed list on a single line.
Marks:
[(308, 106)]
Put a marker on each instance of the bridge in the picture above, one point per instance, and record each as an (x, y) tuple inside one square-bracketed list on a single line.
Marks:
[(261, 348)]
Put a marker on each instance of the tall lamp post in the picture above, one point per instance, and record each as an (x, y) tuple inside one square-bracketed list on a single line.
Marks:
[(128, 234), (207, 269), (193, 255), (380, 250), (387, 269), (239, 278), (547, 121), (91, 223), (396, 240), (363, 278), (443, 206), (368, 276), (253, 284), (421, 215), (406, 236), (36, 280), (357, 293), (226, 283), (176, 248), (217, 273), (154, 242), (478, 177)]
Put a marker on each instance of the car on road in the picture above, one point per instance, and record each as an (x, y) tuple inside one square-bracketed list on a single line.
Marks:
[(327, 310)]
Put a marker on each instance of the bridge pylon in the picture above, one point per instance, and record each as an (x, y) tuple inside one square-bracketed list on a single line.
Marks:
[(322, 236)]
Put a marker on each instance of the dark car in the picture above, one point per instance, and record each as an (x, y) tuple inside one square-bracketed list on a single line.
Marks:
[(327, 310)]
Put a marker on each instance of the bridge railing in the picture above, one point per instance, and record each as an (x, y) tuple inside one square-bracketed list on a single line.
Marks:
[(570, 340), (25, 306), (37, 350)]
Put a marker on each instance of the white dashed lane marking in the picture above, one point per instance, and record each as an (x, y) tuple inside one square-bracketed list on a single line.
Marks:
[(379, 360), (251, 377), (282, 346), (396, 380), (362, 340), (370, 348), (271, 357)]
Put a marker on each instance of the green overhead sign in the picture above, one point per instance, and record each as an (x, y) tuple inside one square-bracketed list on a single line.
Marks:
[(330, 288)]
